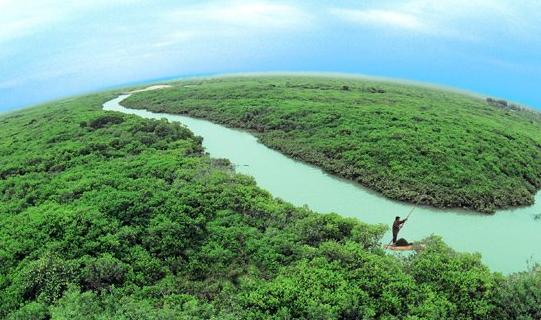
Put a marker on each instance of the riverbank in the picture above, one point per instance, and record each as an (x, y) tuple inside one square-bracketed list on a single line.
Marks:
[(408, 143), (506, 240)]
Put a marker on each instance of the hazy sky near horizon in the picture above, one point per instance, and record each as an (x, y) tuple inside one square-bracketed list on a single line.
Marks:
[(53, 48)]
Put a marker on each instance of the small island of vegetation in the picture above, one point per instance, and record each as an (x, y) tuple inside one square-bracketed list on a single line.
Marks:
[(412, 143)]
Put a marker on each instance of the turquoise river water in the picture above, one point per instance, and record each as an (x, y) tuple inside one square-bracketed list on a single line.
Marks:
[(508, 240)]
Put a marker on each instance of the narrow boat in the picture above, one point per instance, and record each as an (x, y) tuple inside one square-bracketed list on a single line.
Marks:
[(410, 247)]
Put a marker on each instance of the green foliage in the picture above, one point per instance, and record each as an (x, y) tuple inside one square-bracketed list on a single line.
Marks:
[(45, 279), (30, 311), (408, 142), (461, 277), (129, 219), (104, 120), (519, 296), (103, 272), (91, 306)]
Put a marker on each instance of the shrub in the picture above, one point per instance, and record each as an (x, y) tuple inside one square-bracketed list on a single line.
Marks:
[(47, 278), (105, 120), (100, 273), (519, 296)]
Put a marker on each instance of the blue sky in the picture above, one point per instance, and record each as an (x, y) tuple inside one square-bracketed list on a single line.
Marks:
[(51, 48)]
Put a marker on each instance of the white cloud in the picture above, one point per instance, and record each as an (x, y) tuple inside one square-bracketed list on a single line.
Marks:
[(19, 18), (11, 83), (95, 39), (460, 19), (235, 20), (174, 37), (381, 17), (244, 14)]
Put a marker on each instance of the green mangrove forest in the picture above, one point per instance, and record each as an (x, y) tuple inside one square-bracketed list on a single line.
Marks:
[(110, 216), (408, 142)]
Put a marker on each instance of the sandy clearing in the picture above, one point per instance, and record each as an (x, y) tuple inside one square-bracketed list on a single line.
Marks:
[(155, 87)]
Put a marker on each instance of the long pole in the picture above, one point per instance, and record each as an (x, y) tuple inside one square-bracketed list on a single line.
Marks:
[(409, 214)]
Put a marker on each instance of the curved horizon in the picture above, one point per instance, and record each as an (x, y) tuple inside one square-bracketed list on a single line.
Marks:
[(329, 74), (52, 49)]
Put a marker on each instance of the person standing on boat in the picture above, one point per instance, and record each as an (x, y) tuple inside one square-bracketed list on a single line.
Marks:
[(397, 224)]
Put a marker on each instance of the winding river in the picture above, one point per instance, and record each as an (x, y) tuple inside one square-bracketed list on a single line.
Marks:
[(508, 240)]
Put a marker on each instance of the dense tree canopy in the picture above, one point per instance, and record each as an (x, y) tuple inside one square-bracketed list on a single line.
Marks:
[(109, 216), (410, 143)]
